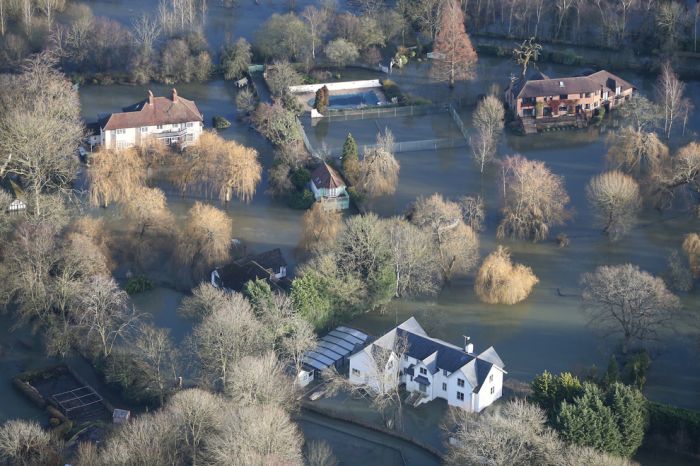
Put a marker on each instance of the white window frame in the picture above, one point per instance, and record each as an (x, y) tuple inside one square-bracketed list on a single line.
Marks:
[(460, 382), (460, 396), (121, 131), (423, 371), (144, 129), (189, 124)]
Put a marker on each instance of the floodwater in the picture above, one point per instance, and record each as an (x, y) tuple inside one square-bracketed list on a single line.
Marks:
[(548, 331)]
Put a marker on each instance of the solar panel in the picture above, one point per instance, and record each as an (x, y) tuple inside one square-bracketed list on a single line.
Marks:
[(339, 350), (329, 352), (320, 357), (339, 342), (354, 332), (345, 337)]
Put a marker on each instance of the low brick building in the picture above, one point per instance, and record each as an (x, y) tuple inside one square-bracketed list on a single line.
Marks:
[(542, 97)]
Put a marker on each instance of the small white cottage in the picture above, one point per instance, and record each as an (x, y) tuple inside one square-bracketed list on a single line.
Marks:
[(10, 187), (430, 368), (329, 187)]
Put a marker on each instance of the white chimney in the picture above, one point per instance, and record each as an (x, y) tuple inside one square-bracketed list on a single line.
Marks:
[(468, 345)]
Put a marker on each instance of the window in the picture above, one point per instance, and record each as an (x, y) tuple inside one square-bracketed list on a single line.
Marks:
[(121, 131), (588, 106), (605, 95), (580, 96), (460, 383), (189, 125), (189, 137), (444, 387), (444, 372), (355, 372), (122, 144), (460, 396), (159, 126), (563, 96), (405, 357), (493, 389), (491, 378), (588, 94), (423, 371), (144, 129)]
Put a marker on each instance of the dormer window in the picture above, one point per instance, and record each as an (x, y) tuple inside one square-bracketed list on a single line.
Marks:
[(460, 383), (423, 371)]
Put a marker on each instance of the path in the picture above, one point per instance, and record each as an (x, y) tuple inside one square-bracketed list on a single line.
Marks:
[(261, 87)]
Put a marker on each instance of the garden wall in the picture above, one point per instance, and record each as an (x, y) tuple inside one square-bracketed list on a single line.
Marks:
[(342, 86)]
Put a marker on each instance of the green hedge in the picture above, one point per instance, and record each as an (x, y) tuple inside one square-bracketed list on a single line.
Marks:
[(674, 423)]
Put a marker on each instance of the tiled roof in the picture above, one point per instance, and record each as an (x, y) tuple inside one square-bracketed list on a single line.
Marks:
[(573, 85), (326, 177), (154, 111)]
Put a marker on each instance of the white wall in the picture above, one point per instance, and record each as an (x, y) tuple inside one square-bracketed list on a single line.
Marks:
[(346, 85), (485, 397)]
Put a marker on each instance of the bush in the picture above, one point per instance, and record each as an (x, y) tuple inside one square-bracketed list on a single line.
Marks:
[(355, 196), (301, 178), (499, 281), (138, 284), (678, 428), (391, 90), (301, 200), (220, 122)]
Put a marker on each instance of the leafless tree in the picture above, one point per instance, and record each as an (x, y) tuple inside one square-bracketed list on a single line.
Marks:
[(625, 300), (417, 273), (488, 121), (40, 128), (691, 247), (379, 169), (669, 92), (205, 240), (204, 300), (473, 212), (49, 8), (455, 58), (319, 453), (261, 380), (214, 166), (197, 417), (146, 31), (534, 199), (499, 281), (257, 435), (681, 173), (319, 228), (317, 20), (670, 17), (640, 154), (115, 176), (25, 443), (105, 314), (455, 244), (528, 51), (615, 198), (643, 113), (381, 384), (224, 337)]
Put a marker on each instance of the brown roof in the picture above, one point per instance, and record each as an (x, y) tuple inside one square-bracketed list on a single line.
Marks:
[(155, 111), (326, 177), (574, 85)]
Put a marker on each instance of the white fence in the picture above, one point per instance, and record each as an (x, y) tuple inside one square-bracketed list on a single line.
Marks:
[(342, 86)]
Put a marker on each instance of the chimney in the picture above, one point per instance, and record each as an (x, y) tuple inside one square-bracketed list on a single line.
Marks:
[(174, 95), (150, 97), (468, 345)]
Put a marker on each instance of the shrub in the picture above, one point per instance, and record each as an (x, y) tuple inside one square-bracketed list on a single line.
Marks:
[(499, 281), (138, 284), (220, 122), (301, 200), (301, 178), (679, 428), (391, 90)]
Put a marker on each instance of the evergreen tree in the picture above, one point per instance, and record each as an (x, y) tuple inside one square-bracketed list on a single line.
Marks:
[(351, 160), (629, 407), (588, 421), (320, 101), (549, 391)]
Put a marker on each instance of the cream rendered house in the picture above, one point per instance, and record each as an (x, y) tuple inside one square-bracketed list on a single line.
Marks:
[(430, 368), (174, 121)]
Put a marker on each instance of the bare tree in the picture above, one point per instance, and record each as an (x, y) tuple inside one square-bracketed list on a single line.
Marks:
[(146, 31), (317, 20), (206, 238), (257, 435), (40, 128), (197, 417), (261, 380), (381, 384), (455, 244), (115, 176), (640, 154), (105, 314), (379, 169), (534, 199), (616, 200), (224, 337), (204, 300), (488, 121), (625, 300), (669, 92), (691, 247), (215, 166), (473, 212), (319, 228), (455, 58), (562, 9), (643, 113), (25, 443), (49, 8), (319, 453), (528, 51), (417, 273), (681, 174), (499, 281), (670, 17)]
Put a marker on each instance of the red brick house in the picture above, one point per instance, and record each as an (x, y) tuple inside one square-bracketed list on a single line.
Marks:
[(543, 97)]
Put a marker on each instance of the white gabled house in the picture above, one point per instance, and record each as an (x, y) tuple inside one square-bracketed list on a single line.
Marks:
[(173, 120), (329, 187), (431, 369)]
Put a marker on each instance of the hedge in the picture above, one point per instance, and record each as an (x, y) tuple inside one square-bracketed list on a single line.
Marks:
[(675, 423)]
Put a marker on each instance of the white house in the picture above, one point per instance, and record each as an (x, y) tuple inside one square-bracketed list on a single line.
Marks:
[(12, 188), (173, 120), (431, 368), (329, 187)]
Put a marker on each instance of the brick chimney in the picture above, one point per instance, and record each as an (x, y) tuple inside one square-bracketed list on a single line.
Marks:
[(150, 97), (174, 95)]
